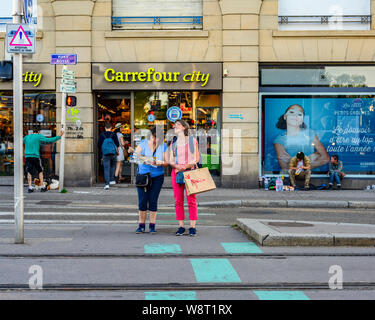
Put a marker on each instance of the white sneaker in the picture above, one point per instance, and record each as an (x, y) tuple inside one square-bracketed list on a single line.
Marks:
[(106, 187), (112, 182)]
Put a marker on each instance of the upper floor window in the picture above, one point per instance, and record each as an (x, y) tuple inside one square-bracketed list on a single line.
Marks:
[(324, 15), (157, 14)]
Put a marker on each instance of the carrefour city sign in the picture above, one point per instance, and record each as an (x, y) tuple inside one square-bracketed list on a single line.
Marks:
[(157, 76)]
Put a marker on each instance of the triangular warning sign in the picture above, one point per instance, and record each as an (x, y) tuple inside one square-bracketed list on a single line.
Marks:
[(21, 39)]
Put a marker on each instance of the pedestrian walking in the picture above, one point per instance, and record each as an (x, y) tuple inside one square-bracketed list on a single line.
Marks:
[(109, 146), (33, 162), (122, 153), (152, 151), (184, 155)]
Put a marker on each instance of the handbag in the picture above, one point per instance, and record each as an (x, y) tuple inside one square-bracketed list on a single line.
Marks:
[(198, 181), (180, 178), (143, 180)]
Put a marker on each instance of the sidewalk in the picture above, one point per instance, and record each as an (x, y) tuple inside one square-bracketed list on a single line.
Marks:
[(306, 233), (220, 197)]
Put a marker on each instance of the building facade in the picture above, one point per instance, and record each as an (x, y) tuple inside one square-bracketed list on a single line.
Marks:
[(232, 66)]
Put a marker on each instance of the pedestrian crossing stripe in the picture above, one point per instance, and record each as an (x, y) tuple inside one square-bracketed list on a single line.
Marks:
[(281, 295), (214, 270), (170, 295), (158, 248), (241, 247)]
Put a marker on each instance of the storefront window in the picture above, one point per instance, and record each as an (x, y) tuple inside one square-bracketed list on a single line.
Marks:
[(39, 111), (319, 126), (200, 109)]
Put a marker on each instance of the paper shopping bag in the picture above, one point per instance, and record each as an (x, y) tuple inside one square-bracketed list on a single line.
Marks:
[(198, 181)]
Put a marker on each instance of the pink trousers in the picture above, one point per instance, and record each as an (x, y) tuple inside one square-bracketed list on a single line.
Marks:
[(178, 190)]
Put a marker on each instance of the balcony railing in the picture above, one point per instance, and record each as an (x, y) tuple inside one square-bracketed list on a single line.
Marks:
[(157, 22), (329, 19)]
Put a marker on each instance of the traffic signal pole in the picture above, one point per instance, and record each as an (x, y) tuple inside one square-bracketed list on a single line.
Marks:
[(18, 132), (62, 142)]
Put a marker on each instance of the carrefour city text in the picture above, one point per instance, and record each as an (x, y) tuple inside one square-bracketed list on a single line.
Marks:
[(111, 75), (32, 77)]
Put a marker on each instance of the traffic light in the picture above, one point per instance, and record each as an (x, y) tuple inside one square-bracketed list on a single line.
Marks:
[(71, 101)]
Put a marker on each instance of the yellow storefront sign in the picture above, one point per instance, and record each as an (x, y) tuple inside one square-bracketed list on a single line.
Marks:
[(111, 75)]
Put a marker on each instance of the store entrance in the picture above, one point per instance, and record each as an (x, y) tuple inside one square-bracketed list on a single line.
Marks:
[(115, 108), (135, 113)]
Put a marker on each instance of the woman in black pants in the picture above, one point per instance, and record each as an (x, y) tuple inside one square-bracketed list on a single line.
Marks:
[(153, 149)]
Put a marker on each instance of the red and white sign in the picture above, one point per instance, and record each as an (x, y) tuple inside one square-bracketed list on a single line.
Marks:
[(21, 39)]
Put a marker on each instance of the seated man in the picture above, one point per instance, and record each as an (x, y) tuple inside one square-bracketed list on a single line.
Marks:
[(335, 172), (300, 165)]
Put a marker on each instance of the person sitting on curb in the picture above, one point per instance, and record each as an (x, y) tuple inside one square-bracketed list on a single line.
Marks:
[(335, 172), (300, 165)]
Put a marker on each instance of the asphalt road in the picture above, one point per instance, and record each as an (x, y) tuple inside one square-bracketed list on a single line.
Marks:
[(86, 247), (109, 261)]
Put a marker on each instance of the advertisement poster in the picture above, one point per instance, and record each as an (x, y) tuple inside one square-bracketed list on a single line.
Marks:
[(320, 127)]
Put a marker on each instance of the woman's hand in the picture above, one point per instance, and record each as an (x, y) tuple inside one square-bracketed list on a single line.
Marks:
[(180, 167), (131, 150)]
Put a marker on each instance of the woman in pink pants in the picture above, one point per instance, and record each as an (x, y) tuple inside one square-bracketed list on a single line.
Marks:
[(184, 156)]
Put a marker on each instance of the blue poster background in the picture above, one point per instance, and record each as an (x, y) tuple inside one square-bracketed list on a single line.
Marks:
[(345, 126)]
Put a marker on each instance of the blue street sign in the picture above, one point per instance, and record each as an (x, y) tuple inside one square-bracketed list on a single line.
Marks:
[(31, 11), (39, 118), (174, 114), (63, 59), (151, 118)]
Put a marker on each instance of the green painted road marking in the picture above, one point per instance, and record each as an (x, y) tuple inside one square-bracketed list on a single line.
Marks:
[(281, 295), (170, 295), (241, 247), (162, 248), (214, 270)]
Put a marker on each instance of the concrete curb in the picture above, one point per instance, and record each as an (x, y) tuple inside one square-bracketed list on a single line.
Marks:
[(267, 236), (289, 204)]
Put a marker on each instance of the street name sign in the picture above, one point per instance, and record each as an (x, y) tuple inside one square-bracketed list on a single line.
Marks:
[(64, 59), (20, 38), (66, 88)]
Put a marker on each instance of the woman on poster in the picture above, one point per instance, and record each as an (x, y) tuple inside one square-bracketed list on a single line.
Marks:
[(298, 138)]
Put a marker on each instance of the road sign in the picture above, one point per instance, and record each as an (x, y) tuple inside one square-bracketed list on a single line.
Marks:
[(151, 117), (68, 82), (63, 59), (20, 38), (31, 11), (67, 88), (68, 73), (68, 77), (174, 114)]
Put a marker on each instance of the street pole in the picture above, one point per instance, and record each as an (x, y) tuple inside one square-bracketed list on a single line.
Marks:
[(62, 142), (18, 132)]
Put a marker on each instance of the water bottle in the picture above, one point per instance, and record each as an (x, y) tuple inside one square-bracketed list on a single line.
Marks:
[(277, 187), (281, 184), (265, 183)]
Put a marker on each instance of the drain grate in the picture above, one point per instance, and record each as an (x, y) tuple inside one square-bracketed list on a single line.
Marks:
[(289, 224), (53, 202)]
